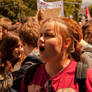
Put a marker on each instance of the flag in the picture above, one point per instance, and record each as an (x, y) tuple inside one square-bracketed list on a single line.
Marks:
[(88, 14)]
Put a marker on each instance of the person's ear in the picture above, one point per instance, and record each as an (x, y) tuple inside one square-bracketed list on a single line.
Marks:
[(67, 42)]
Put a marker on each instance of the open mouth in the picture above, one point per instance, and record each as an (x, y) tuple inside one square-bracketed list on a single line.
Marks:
[(42, 48)]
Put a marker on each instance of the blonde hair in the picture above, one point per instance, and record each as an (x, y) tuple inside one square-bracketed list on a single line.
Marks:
[(66, 30)]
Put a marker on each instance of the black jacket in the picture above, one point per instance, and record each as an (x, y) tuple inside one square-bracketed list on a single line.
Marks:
[(27, 63)]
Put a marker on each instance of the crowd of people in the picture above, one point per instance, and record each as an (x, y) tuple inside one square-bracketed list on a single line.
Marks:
[(45, 55)]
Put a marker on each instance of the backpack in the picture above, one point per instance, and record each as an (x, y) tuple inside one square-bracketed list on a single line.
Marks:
[(80, 75), (29, 75), (27, 63)]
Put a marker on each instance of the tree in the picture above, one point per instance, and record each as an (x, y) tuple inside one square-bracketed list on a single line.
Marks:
[(77, 8), (32, 5), (11, 8), (17, 9), (90, 9), (71, 7)]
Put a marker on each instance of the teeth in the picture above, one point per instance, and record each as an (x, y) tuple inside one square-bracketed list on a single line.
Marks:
[(42, 48)]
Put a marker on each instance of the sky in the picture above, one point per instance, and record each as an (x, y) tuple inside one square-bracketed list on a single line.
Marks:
[(86, 3)]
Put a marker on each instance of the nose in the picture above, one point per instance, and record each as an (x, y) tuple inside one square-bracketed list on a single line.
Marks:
[(41, 39), (21, 49)]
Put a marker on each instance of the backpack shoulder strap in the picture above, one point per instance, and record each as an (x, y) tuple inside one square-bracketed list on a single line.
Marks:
[(29, 75), (80, 75)]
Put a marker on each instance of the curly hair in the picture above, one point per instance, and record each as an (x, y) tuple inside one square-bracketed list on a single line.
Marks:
[(29, 32)]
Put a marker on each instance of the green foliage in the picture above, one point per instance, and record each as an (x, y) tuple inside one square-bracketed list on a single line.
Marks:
[(17, 9), (90, 9), (31, 4), (71, 7), (68, 8), (10, 8)]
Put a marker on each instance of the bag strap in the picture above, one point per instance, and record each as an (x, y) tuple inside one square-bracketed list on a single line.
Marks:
[(80, 75), (29, 75)]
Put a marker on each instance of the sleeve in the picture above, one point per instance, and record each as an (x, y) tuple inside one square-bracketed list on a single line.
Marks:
[(87, 58), (87, 48), (89, 81), (22, 88)]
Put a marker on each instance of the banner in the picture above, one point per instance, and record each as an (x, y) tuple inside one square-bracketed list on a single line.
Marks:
[(54, 8)]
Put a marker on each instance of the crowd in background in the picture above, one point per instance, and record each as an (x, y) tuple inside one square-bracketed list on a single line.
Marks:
[(52, 43)]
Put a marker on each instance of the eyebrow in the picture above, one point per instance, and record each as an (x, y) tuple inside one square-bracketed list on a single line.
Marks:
[(48, 30)]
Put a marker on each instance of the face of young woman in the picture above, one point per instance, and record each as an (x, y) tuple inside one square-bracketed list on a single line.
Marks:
[(18, 51), (49, 44)]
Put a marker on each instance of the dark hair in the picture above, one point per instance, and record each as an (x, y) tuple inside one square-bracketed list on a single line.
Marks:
[(86, 26), (8, 44)]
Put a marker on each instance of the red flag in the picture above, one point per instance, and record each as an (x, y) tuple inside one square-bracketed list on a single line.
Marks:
[(88, 14)]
